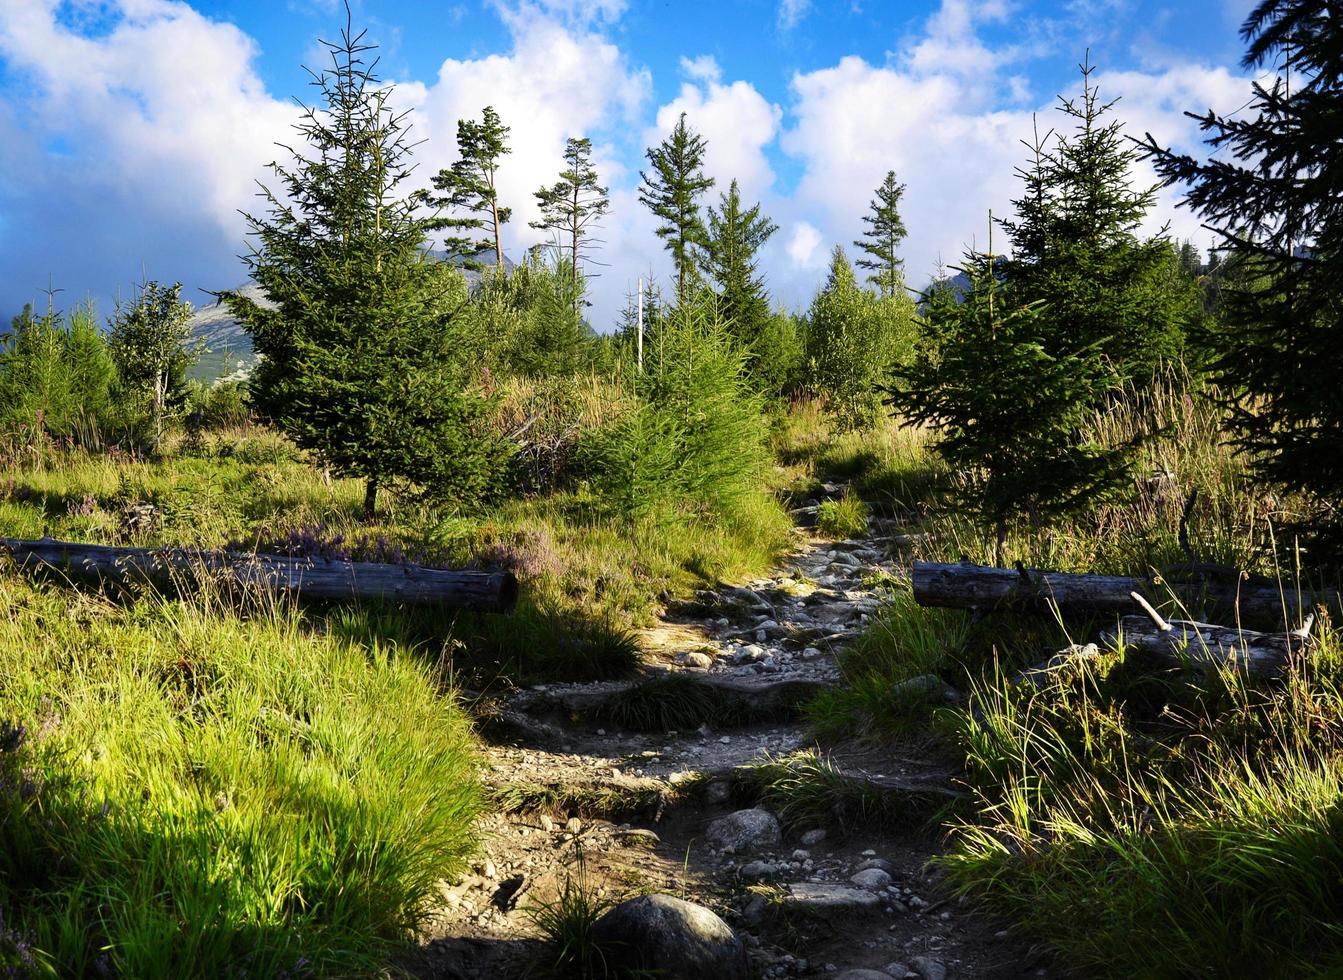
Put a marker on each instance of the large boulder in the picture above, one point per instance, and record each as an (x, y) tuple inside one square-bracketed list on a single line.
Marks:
[(745, 830), (678, 938)]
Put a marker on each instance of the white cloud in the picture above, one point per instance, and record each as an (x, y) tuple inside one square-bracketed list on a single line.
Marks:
[(738, 125), (955, 139), (792, 13), (149, 132), (805, 246)]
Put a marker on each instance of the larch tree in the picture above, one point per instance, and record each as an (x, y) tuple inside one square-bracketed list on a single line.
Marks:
[(1274, 196), (358, 359), (881, 241), (671, 190), (470, 189), (572, 207)]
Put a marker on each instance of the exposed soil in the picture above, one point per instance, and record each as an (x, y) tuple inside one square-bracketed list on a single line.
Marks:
[(628, 810)]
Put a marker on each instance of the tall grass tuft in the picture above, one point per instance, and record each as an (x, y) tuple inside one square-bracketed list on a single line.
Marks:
[(202, 791)]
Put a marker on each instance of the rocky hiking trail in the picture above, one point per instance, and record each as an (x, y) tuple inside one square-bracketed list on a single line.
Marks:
[(583, 797)]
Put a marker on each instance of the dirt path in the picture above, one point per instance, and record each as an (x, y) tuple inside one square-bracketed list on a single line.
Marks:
[(581, 791)]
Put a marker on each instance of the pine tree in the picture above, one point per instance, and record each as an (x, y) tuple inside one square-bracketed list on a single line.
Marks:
[(736, 235), (572, 206), (469, 186), (358, 358), (1009, 409), (1275, 198), (1076, 247), (672, 193), (881, 241)]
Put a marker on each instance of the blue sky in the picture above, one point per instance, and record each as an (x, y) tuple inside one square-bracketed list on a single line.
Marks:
[(132, 131)]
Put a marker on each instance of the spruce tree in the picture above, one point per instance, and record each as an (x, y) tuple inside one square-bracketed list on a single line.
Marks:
[(881, 241), (358, 358), (469, 186), (1010, 409), (1077, 250), (736, 235), (672, 191), (1274, 196), (571, 208)]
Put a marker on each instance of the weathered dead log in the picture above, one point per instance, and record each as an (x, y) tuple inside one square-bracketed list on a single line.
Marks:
[(1206, 645), (983, 587), (314, 578)]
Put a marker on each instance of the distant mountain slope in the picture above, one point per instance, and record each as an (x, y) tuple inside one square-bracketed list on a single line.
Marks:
[(229, 348)]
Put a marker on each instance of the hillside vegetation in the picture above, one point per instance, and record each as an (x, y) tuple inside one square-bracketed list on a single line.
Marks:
[(202, 782)]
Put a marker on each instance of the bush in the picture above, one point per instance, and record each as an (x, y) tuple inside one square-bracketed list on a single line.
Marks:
[(695, 439), (203, 794)]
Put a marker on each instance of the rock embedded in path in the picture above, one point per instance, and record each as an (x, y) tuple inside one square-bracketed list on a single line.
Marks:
[(696, 659), (679, 938), (813, 837), (825, 899), (929, 968), (873, 879), (745, 830), (876, 862)]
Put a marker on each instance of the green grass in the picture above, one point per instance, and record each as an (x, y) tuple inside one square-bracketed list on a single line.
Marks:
[(843, 518), (807, 790), (1162, 826), (201, 790), (588, 579)]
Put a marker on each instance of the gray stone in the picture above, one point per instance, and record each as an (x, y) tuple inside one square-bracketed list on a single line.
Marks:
[(863, 975), (754, 911), (881, 863), (700, 661), (756, 870), (897, 970), (925, 687), (928, 968), (813, 837), (873, 879), (825, 899), (745, 830), (659, 932)]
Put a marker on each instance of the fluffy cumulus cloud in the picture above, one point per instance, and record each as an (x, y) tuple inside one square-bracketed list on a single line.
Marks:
[(132, 131), (126, 156), (954, 136), (121, 154), (737, 122)]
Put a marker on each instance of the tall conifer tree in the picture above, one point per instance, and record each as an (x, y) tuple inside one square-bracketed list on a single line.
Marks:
[(881, 241), (1275, 198), (470, 186), (1077, 250), (572, 207), (671, 190), (357, 361), (736, 235)]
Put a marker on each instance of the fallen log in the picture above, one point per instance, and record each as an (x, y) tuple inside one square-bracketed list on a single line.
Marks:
[(985, 588), (313, 578), (1206, 645)]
